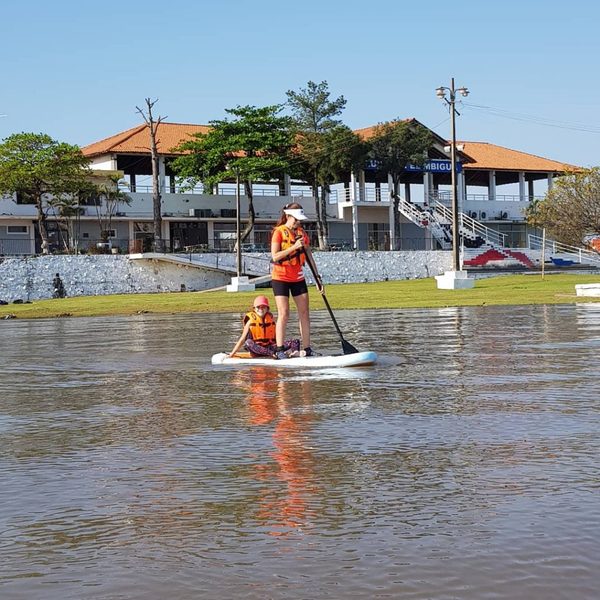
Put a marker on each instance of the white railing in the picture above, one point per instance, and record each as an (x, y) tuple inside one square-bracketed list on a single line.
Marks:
[(552, 248), (426, 219), (469, 226), (413, 212), (224, 190), (165, 189), (445, 197), (369, 195)]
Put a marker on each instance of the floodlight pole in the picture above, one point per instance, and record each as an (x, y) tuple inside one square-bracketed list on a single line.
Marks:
[(441, 93), (238, 225), (455, 226)]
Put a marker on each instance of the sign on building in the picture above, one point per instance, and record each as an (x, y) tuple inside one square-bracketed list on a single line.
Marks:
[(433, 165)]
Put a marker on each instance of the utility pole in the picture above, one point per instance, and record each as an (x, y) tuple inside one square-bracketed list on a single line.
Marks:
[(455, 279), (441, 93)]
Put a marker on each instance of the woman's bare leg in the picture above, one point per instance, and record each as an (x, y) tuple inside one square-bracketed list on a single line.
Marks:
[(304, 318), (283, 315)]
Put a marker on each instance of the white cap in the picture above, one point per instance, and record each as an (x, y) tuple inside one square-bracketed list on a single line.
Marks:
[(297, 213)]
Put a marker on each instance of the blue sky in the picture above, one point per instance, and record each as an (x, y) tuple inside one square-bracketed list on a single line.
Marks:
[(77, 70)]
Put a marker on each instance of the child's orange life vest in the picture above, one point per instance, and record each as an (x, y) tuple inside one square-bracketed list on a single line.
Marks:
[(262, 329)]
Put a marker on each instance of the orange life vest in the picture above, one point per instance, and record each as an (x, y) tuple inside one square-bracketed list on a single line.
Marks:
[(288, 239), (262, 330)]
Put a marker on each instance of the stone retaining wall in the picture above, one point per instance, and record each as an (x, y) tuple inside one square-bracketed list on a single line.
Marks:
[(31, 278)]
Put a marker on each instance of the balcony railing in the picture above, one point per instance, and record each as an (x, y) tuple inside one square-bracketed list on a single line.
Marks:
[(224, 190), (445, 197), (369, 195)]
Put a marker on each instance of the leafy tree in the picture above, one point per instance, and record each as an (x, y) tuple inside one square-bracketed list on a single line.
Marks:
[(38, 167), (570, 209), (394, 145), (254, 145), (325, 148)]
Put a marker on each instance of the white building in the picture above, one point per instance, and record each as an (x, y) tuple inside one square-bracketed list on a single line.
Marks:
[(495, 185)]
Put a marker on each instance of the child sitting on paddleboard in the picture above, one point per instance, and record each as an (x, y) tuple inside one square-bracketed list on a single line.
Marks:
[(258, 335)]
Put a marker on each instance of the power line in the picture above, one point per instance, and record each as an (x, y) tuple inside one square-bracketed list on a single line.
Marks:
[(535, 119)]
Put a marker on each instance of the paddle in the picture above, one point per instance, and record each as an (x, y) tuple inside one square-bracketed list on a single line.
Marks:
[(347, 347)]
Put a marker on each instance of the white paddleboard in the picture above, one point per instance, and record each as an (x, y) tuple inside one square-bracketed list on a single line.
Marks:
[(359, 359)]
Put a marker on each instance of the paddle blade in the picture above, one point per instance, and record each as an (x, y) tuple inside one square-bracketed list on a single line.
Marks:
[(348, 348)]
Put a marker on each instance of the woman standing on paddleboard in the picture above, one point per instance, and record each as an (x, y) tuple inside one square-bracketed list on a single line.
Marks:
[(290, 249)]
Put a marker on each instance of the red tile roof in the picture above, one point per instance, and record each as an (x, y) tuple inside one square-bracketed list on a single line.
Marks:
[(368, 132), (169, 135), (136, 140), (491, 157)]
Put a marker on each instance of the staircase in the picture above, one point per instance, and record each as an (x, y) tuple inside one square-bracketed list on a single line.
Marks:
[(470, 229), (438, 220), (427, 219)]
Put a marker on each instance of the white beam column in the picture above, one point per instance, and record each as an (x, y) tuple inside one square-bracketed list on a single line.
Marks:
[(210, 232), (166, 231), (352, 187), (391, 213), (355, 226), (32, 237), (161, 174), (427, 188), (550, 181), (492, 185), (522, 188), (461, 190)]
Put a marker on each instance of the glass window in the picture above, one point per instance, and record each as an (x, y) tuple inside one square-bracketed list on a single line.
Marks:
[(17, 229), (225, 236), (379, 236)]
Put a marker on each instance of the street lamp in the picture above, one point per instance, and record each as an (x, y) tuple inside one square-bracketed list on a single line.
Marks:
[(239, 283), (450, 101), (238, 220), (238, 225)]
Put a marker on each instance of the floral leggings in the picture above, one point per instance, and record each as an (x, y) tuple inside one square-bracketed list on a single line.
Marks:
[(258, 350)]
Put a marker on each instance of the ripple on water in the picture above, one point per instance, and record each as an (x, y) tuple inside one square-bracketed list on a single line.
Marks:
[(463, 465)]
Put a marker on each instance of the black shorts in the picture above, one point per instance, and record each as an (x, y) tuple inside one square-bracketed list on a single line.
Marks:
[(283, 288)]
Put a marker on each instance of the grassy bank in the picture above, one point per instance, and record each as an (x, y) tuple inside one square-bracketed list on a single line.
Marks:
[(511, 289)]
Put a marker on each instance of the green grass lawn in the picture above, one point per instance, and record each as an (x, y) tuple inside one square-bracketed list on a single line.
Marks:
[(415, 293)]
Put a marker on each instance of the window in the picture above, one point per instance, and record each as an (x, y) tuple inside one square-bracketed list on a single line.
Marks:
[(379, 237), (17, 229), (224, 236), (262, 237)]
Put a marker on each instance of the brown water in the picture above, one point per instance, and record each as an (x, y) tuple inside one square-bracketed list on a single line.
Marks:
[(464, 465)]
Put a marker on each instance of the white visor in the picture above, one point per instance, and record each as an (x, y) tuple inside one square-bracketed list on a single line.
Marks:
[(297, 213)]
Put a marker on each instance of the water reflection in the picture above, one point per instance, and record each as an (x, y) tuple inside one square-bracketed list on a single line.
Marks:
[(462, 465), (285, 472)]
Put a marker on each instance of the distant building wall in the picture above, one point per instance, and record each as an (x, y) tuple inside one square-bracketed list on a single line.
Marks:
[(89, 275)]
